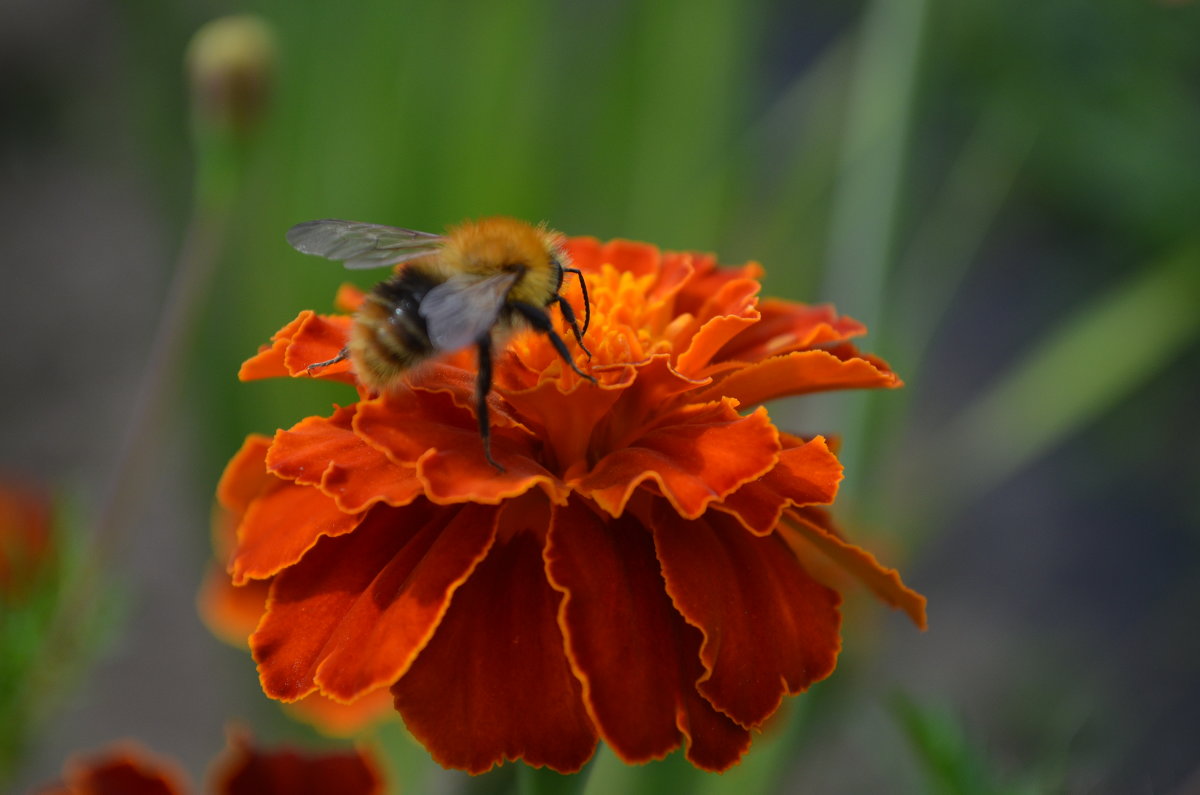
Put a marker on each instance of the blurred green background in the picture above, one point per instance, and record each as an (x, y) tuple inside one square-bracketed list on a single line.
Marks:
[(1006, 193)]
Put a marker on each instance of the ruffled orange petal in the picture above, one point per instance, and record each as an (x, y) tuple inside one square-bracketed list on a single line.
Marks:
[(328, 454), (807, 474), (351, 616), (283, 524), (244, 770), (740, 590), (799, 373), (699, 454), (588, 254), (730, 311), (638, 660), (126, 768), (787, 326), (442, 439), (309, 339), (812, 527), (245, 475), (494, 683), (565, 431)]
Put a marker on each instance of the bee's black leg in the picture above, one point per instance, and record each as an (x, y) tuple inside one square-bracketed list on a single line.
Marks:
[(587, 305), (538, 318), (343, 354), (482, 387), (569, 314)]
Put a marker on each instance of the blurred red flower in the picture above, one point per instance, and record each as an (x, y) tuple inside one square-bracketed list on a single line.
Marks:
[(127, 768), (26, 548), (631, 576)]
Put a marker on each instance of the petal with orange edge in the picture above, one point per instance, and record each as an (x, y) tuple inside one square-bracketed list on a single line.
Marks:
[(798, 373), (719, 329), (352, 614), (700, 453), (884, 582), (787, 326), (806, 474), (327, 453), (309, 339), (638, 660), (494, 683), (442, 440), (245, 475), (281, 525), (769, 629)]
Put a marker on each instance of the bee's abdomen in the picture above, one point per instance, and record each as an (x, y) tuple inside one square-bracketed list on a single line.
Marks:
[(390, 335)]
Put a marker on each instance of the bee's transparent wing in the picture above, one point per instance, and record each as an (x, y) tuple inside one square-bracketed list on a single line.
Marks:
[(462, 308), (359, 245)]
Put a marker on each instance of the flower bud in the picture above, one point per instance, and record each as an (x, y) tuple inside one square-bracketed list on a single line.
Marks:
[(231, 69)]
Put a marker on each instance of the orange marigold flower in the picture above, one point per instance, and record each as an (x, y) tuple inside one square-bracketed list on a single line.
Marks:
[(631, 575)]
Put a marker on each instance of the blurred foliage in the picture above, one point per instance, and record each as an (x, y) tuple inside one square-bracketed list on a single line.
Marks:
[(49, 631), (1029, 167)]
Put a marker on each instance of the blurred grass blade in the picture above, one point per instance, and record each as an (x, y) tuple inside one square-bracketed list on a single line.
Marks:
[(867, 195), (953, 229), (1096, 357), (951, 764)]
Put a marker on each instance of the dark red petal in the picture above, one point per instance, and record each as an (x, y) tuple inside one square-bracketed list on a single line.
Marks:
[(352, 615), (327, 453), (769, 629), (798, 373), (700, 453), (244, 770), (281, 525), (125, 769), (814, 528), (494, 683), (806, 474), (637, 658)]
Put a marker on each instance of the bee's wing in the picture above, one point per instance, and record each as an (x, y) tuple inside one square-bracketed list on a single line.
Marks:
[(360, 245), (460, 309)]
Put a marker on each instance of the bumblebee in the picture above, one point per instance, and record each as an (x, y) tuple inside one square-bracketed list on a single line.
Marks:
[(474, 285)]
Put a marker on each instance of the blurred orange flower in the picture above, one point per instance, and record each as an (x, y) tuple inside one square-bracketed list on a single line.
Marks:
[(631, 576)]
